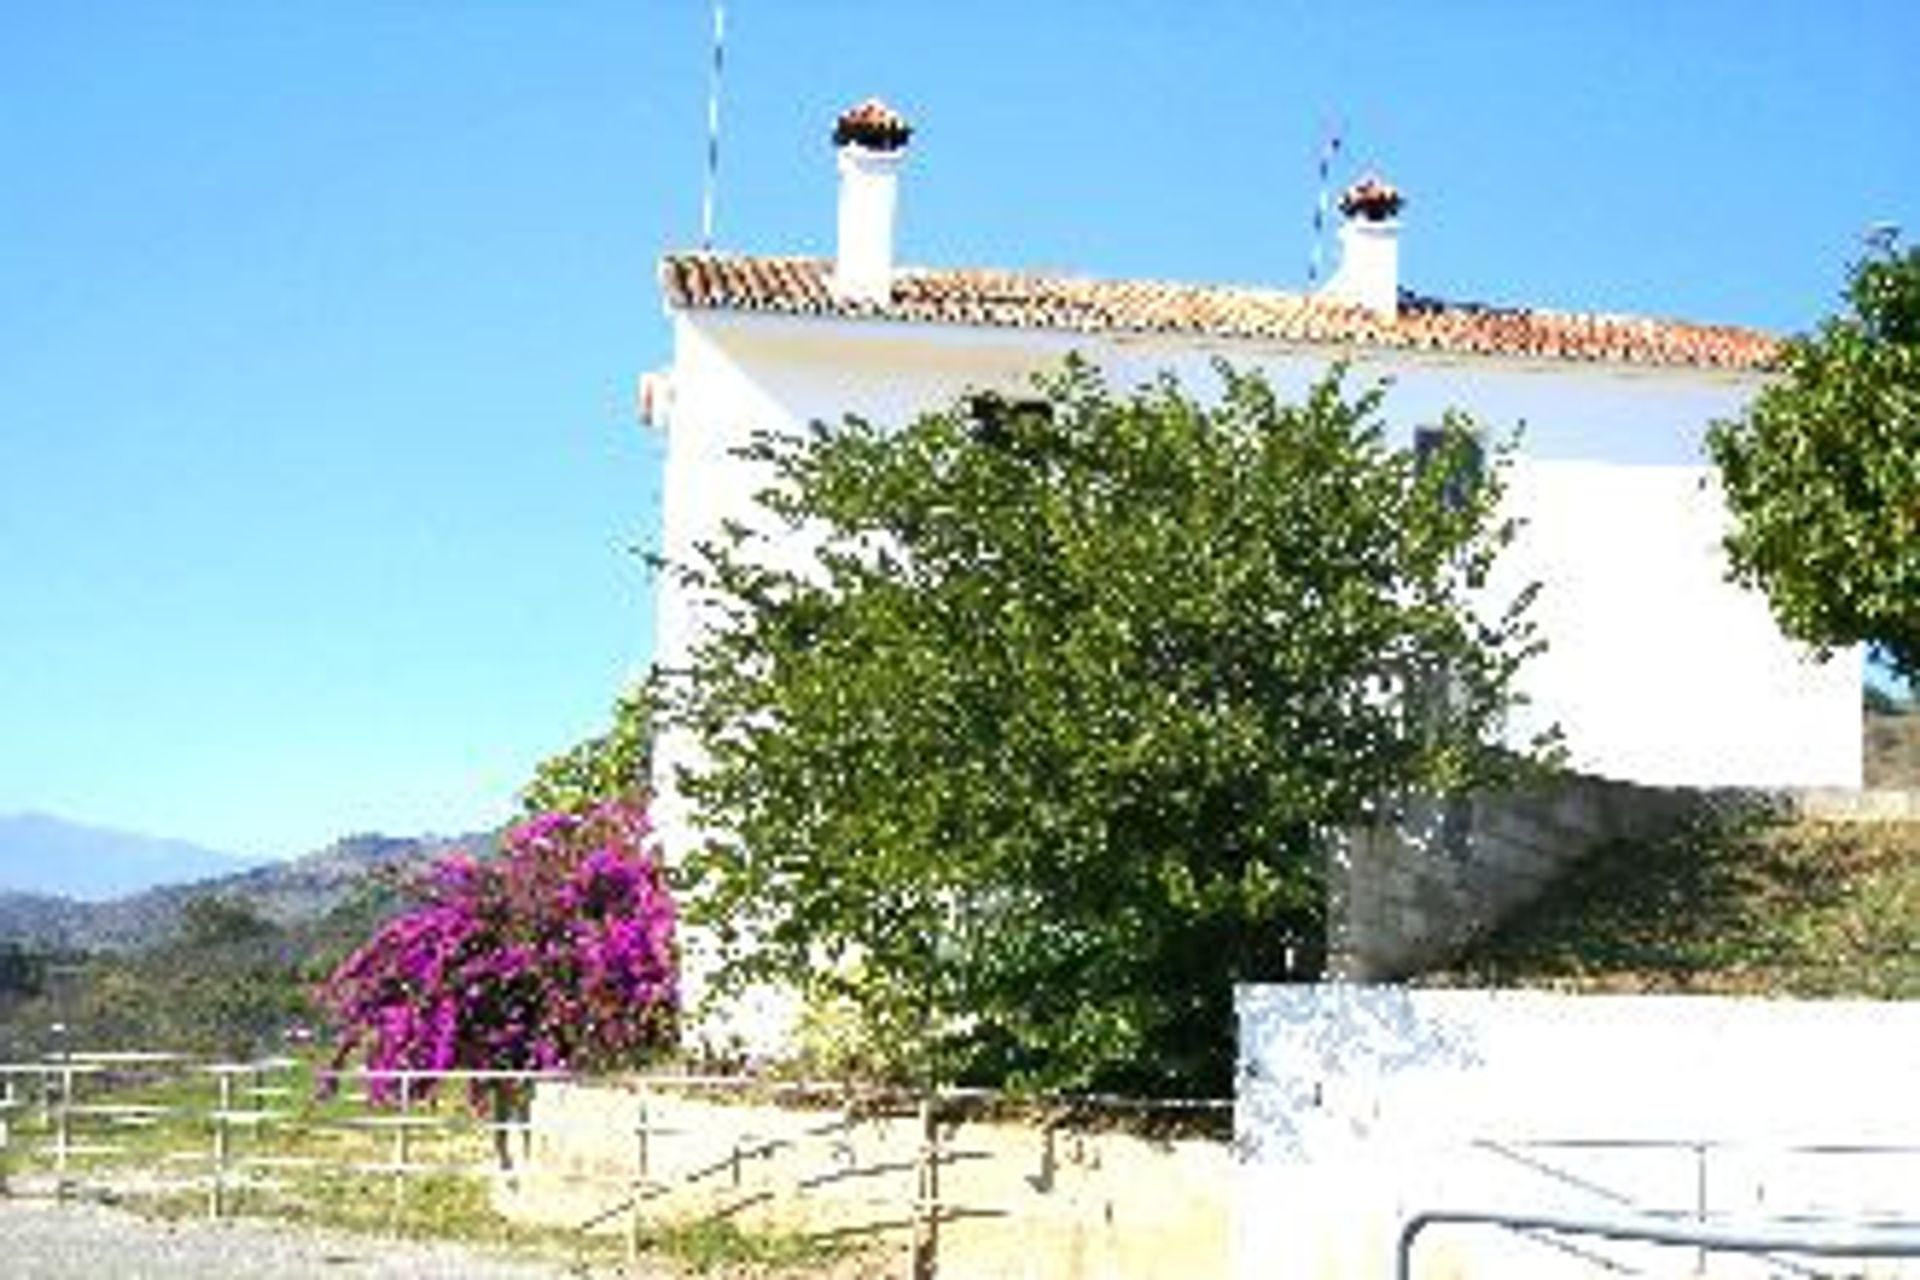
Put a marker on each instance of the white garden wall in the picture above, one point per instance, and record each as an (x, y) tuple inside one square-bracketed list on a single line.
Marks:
[(1359, 1106)]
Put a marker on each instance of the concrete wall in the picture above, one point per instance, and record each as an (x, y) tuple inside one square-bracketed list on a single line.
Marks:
[(1359, 1106), (1066, 1204)]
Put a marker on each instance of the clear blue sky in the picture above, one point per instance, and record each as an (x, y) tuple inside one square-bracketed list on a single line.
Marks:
[(319, 321)]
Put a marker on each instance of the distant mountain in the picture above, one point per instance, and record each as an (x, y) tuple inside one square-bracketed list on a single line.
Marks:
[(42, 854), (293, 892)]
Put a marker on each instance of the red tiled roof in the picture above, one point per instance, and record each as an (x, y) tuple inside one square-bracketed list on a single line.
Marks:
[(1023, 300), (1373, 198), (872, 124)]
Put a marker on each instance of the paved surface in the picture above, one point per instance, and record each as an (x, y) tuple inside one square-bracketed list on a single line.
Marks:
[(40, 1240)]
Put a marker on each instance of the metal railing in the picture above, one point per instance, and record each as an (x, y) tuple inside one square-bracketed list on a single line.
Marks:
[(67, 1119), (1711, 1201), (1705, 1158), (1826, 1239), (65, 1125), (920, 1212)]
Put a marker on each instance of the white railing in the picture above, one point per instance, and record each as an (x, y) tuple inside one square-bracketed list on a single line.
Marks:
[(1772, 1238), (66, 1126)]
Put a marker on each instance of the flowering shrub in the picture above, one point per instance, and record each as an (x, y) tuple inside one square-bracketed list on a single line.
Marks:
[(558, 953)]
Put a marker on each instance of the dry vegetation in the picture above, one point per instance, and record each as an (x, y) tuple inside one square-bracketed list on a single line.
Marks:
[(1893, 750), (1804, 909)]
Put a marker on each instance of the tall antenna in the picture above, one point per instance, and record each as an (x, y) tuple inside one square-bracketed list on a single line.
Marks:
[(713, 125), (1328, 151)]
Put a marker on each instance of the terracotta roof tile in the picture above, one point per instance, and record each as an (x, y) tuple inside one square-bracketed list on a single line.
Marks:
[(1372, 198), (872, 124), (1023, 300)]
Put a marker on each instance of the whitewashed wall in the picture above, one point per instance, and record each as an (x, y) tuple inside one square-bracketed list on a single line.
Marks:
[(1658, 671), (1359, 1106)]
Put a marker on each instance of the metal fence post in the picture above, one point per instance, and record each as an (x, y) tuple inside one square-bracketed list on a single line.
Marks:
[(402, 1149), (641, 1175), (222, 1145), (62, 1131), (7, 1104), (1700, 1202), (925, 1260)]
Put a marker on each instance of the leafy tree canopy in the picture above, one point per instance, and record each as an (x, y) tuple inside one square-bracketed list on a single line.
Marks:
[(1822, 473), (22, 971), (1040, 752), (211, 920), (611, 766)]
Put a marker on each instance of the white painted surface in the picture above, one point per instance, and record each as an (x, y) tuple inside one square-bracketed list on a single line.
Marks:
[(1359, 1106), (1658, 670), (869, 203), (1369, 270)]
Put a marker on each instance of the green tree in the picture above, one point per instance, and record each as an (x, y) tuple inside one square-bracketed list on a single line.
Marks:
[(1041, 753), (609, 767), (1822, 473), (22, 972), (212, 920)]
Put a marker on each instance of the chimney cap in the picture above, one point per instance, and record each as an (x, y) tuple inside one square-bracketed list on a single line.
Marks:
[(874, 125), (1372, 198)]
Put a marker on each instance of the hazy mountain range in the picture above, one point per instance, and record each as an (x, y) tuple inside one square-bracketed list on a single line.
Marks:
[(69, 885), (40, 853)]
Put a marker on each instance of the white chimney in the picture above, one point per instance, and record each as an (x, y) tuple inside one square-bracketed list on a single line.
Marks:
[(872, 139), (1369, 271)]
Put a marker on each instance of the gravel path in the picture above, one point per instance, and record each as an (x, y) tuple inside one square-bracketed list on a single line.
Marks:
[(40, 1240)]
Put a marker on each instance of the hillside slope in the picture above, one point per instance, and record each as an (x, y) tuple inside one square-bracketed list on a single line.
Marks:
[(1805, 909), (286, 893), (1893, 750)]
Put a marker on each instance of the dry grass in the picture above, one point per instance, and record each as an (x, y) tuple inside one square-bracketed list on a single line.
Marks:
[(1807, 909), (1893, 750)]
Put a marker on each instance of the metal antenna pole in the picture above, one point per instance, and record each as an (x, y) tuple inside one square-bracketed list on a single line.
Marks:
[(713, 125), (1329, 149)]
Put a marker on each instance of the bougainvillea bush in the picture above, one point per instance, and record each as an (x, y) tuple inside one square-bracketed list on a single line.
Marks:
[(556, 954)]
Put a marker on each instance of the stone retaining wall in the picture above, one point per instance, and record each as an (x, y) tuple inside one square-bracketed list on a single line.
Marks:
[(1409, 894)]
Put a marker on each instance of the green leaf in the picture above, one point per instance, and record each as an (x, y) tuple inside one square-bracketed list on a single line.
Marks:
[(1042, 750)]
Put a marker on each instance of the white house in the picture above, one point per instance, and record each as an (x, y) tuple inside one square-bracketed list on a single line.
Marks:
[(1658, 670)]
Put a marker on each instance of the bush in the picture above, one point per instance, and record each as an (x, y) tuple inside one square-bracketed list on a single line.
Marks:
[(558, 953)]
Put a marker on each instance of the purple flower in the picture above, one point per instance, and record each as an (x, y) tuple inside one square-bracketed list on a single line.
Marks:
[(559, 951)]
